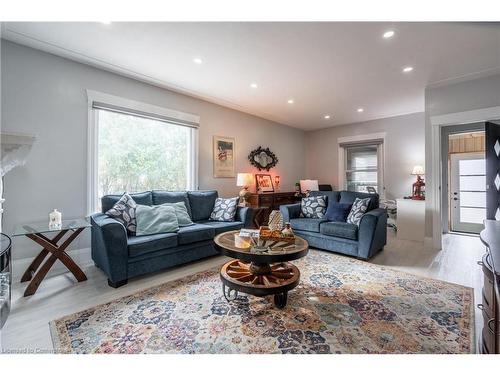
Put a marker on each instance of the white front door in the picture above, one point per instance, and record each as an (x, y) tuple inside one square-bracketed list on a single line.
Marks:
[(468, 192)]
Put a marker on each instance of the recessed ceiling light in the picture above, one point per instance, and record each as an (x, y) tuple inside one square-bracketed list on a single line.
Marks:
[(360, 110), (388, 34), (253, 85), (197, 60), (106, 22), (290, 101), (327, 117), (407, 69)]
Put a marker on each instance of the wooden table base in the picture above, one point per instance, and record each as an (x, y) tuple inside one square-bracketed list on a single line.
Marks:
[(51, 251), (259, 280)]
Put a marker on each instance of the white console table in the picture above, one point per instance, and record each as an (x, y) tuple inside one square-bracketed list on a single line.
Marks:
[(411, 219)]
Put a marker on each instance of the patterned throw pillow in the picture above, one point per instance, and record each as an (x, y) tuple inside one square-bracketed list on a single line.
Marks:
[(313, 207), (224, 209), (124, 212), (358, 209)]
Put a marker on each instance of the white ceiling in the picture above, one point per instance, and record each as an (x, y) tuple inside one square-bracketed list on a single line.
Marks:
[(327, 68)]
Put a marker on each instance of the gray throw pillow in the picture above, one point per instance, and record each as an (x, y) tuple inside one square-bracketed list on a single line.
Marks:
[(156, 219), (224, 209), (124, 212), (182, 214), (313, 207), (358, 209)]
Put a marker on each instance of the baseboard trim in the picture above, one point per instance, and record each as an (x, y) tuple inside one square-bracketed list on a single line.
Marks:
[(81, 257)]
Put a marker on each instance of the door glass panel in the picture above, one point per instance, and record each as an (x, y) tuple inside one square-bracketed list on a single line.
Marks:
[(472, 215), (472, 199), (472, 167), (472, 183)]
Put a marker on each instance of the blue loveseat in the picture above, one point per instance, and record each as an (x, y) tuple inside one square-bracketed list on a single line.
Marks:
[(122, 256), (362, 242)]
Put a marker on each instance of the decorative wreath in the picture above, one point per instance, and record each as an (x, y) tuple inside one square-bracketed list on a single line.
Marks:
[(263, 158)]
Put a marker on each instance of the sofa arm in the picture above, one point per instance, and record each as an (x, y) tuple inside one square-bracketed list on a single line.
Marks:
[(244, 214), (109, 247), (290, 211), (372, 233)]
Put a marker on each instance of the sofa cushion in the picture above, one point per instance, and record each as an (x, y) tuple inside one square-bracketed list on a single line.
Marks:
[(156, 219), (338, 229), (109, 201), (331, 196), (202, 203), (358, 209), (350, 197), (224, 209), (222, 226), (195, 233), (309, 225), (124, 211), (313, 207), (183, 217), (338, 211), (163, 196), (140, 245)]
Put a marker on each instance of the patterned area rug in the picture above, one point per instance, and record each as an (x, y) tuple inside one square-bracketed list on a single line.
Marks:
[(341, 305)]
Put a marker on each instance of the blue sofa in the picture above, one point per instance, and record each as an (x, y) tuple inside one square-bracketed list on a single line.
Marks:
[(362, 242), (122, 257)]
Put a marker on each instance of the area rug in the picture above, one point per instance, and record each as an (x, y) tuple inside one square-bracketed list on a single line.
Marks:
[(341, 305)]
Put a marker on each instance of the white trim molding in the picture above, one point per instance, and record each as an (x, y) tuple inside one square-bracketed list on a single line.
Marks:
[(170, 115), (362, 138), (433, 201)]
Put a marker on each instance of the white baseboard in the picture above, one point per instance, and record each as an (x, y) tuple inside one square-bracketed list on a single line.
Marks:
[(80, 256), (429, 244)]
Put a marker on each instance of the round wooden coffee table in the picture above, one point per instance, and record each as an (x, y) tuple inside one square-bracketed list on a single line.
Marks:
[(259, 273)]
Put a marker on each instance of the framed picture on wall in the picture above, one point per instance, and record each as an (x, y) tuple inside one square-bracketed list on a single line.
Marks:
[(223, 157), (264, 183)]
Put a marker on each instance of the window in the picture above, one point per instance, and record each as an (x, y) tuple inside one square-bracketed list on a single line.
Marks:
[(362, 165), (132, 151)]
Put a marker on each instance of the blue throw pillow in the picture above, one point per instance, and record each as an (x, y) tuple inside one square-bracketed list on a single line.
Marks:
[(338, 211)]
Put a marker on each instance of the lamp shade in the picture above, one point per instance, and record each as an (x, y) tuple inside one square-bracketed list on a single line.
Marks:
[(418, 170), (309, 185), (244, 179)]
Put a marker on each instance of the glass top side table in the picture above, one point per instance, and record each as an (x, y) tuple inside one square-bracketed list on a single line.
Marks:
[(52, 249)]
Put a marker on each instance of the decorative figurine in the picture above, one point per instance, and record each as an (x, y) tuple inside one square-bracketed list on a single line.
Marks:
[(55, 219), (287, 231)]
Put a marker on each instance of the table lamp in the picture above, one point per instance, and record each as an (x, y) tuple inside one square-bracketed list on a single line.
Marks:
[(419, 185), (244, 180)]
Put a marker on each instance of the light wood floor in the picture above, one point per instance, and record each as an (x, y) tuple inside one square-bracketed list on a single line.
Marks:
[(27, 327)]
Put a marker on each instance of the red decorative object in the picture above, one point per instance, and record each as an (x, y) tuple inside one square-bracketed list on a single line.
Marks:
[(418, 189)]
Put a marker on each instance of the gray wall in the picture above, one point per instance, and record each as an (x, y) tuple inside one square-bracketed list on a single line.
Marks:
[(404, 148), (462, 96), (44, 95)]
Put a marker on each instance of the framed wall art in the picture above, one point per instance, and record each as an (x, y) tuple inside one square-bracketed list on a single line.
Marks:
[(223, 157), (264, 183)]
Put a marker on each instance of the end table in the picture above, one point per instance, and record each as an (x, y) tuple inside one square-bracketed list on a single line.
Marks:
[(52, 249)]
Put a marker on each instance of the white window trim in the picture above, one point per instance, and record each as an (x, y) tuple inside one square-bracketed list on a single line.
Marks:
[(381, 158), (133, 105)]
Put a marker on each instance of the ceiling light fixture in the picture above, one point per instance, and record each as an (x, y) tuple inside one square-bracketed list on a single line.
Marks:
[(253, 85), (197, 60), (106, 22), (360, 110), (407, 69), (327, 117), (388, 34), (290, 101)]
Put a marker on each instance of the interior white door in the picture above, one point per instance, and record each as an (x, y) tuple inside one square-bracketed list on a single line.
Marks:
[(468, 192)]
